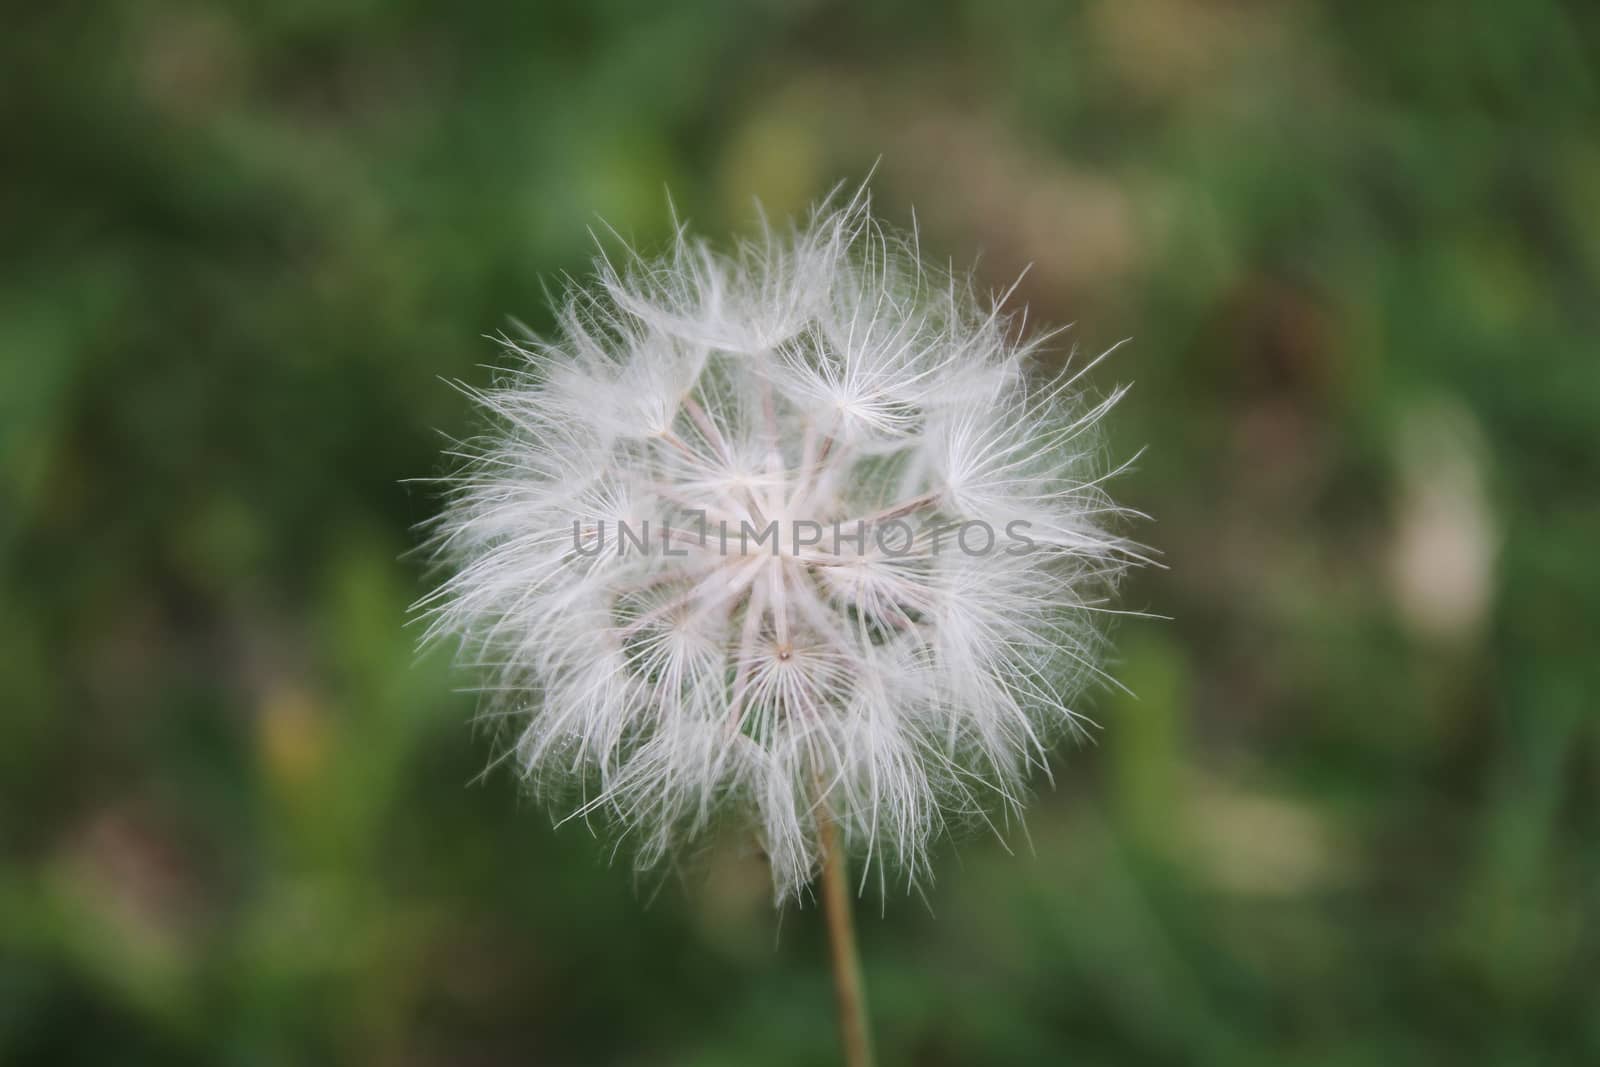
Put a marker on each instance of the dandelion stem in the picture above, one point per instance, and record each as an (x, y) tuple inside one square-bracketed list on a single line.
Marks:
[(849, 993)]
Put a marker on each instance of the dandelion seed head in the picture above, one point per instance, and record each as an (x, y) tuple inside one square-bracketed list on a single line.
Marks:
[(823, 381)]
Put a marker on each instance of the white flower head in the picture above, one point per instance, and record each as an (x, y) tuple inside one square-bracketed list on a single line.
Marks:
[(781, 536)]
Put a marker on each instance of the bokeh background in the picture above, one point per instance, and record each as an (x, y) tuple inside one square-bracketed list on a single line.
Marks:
[(1351, 817)]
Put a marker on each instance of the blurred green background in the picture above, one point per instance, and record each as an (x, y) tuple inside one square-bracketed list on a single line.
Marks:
[(1353, 816)]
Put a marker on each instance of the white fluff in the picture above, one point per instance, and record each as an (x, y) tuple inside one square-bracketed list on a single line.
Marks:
[(821, 373)]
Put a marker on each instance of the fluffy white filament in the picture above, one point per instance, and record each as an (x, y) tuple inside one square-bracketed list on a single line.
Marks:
[(820, 375)]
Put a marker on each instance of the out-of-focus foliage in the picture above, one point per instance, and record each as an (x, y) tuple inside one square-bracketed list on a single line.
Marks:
[(1350, 819)]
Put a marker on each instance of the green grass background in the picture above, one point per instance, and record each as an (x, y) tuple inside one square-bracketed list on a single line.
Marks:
[(1352, 816)]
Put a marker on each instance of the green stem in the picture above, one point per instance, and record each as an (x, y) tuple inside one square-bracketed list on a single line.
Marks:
[(849, 993)]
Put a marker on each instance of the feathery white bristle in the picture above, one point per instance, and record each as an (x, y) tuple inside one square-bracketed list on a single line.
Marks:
[(820, 375)]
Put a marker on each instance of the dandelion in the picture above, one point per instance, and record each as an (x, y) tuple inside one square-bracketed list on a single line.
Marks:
[(791, 538)]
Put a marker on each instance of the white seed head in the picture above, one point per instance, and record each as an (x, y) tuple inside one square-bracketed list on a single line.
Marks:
[(782, 535)]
